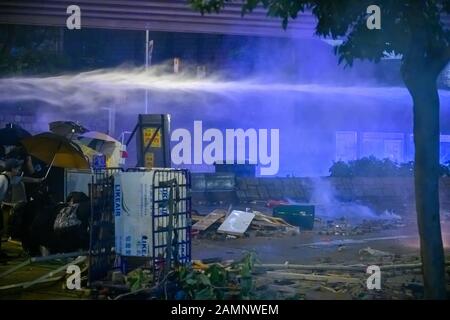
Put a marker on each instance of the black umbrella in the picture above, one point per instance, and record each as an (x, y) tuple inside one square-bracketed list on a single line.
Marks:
[(67, 128), (12, 134)]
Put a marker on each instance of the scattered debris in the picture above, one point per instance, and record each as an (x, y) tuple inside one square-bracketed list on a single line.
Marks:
[(51, 276), (209, 220), (138, 279), (343, 226), (339, 281), (118, 278), (274, 203), (369, 252), (339, 242), (327, 293), (261, 225), (278, 224)]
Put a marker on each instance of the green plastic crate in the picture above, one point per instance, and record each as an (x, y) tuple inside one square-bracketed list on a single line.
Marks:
[(297, 215)]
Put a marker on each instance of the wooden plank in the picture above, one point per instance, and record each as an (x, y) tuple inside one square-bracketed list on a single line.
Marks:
[(209, 220), (15, 268), (25, 284), (42, 259), (54, 272), (312, 277), (314, 267), (351, 268)]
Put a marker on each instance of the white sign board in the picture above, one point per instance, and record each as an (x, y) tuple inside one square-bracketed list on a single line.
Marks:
[(133, 209), (237, 222)]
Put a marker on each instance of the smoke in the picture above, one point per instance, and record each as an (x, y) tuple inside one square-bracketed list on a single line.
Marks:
[(324, 195)]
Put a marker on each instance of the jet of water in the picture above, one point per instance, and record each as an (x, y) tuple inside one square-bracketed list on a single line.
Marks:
[(87, 90)]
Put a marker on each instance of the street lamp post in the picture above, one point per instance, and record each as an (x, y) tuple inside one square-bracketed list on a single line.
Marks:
[(148, 62)]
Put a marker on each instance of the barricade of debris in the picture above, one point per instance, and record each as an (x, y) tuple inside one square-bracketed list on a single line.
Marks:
[(200, 280), (221, 224), (248, 278), (401, 279)]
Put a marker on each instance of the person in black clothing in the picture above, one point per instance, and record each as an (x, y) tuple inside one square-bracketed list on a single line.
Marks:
[(7, 178), (10, 179)]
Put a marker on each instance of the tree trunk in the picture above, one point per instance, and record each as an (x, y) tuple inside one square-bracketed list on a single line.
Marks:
[(421, 83)]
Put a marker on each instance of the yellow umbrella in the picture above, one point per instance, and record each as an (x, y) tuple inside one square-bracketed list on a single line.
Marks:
[(56, 150), (97, 140), (103, 144), (91, 136), (88, 152)]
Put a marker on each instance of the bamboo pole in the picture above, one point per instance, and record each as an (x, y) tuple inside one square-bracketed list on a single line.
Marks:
[(42, 259), (354, 268)]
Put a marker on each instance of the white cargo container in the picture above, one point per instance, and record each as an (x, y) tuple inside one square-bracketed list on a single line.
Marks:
[(140, 199)]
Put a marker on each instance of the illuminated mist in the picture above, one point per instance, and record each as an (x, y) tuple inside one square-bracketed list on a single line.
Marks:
[(293, 85)]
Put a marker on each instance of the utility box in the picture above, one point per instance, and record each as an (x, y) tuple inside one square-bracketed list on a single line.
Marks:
[(298, 215), (153, 141)]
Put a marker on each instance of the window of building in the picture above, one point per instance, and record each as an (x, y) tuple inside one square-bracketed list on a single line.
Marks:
[(383, 145), (346, 145)]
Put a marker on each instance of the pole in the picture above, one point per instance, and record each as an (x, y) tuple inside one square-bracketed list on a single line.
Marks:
[(146, 68), (50, 167), (111, 121), (148, 61), (54, 156)]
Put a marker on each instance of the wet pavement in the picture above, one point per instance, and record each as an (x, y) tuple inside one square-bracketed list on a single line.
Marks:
[(392, 246), (311, 247)]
